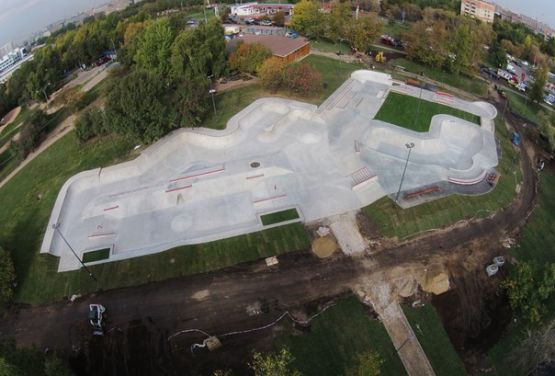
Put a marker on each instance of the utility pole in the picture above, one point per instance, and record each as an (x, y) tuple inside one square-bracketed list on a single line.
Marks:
[(56, 227), (409, 146)]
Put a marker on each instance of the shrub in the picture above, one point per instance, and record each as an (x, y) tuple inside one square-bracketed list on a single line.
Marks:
[(90, 124), (271, 74), (32, 133), (303, 79)]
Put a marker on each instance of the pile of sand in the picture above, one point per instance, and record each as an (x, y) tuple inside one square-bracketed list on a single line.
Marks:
[(435, 280), (324, 247)]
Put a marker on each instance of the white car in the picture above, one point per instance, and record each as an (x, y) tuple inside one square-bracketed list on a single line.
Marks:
[(96, 312)]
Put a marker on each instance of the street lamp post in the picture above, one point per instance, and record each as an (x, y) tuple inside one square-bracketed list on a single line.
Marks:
[(212, 92), (409, 146), (56, 227)]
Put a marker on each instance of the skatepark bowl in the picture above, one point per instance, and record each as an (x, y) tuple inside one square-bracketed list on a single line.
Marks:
[(199, 185)]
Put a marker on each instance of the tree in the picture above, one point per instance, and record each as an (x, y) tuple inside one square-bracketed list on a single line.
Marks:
[(154, 48), (540, 79), (547, 129), (271, 74), (248, 58), (273, 364), (528, 287), (465, 43), (497, 55), (362, 32), (427, 43), (200, 52), (338, 20), (279, 19), (365, 364), (307, 19), (139, 106), (303, 79), (90, 124), (7, 277), (32, 133)]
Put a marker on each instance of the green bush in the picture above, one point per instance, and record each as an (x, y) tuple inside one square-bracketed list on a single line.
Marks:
[(90, 124), (7, 277)]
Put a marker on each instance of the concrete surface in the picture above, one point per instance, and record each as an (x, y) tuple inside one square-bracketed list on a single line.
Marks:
[(198, 185)]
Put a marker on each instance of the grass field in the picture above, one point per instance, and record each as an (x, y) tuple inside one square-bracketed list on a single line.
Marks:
[(390, 112), (394, 28), (403, 223), (524, 107), (434, 340), (99, 254), (471, 85), (280, 216), (336, 337), (334, 73), (326, 46), (535, 245)]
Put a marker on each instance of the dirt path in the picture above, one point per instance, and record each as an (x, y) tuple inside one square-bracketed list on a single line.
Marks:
[(10, 116), (60, 131)]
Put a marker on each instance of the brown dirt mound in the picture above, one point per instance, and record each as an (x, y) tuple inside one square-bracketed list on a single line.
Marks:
[(10, 116), (324, 247)]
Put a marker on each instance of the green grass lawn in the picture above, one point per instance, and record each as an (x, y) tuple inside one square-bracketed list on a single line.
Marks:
[(524, 107), (394, 28), (434, 340), (402, 223), (336, 337), (99, 254), (327, 46), (334, 73), (390, 112), (472, 85), (280, 216), (536, 245), (230, 103)]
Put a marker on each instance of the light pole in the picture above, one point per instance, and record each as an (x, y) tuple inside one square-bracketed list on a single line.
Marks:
[(56, 227), (212, 92), (409, 146)]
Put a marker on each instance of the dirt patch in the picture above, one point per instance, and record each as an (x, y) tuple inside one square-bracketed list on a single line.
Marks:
[(436, 280), (324, 247), (10, 116)]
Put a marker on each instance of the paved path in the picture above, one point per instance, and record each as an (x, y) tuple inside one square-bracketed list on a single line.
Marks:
[(393, 318)]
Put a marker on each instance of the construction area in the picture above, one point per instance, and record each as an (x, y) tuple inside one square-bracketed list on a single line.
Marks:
[(278, 161)]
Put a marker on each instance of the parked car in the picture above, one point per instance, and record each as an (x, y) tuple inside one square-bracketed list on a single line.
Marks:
[(250, 21), (291, 34), (96, 313), (265, 23)]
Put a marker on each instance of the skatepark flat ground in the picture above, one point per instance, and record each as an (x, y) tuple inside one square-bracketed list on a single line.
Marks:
[(198, 185)]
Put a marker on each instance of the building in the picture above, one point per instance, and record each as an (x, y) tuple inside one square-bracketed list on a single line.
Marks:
[(482, 10), (533, 24), (256, 9), (9, 60), (282, 47)]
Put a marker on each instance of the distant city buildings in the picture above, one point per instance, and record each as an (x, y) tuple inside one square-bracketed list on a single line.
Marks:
[(11, 58), (482, 10), (535, 25), (256, 9)]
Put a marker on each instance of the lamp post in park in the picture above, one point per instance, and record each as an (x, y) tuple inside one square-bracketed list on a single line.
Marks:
[(212, 92), (56, 227), (409, 146)]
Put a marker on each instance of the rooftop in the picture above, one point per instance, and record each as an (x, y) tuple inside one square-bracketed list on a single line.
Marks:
[(279, 45)]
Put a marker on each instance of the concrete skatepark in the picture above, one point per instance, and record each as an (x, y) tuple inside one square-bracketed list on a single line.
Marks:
[(199, 185)]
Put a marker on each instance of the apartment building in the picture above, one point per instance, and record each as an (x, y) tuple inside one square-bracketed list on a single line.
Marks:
[(482, 10)]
